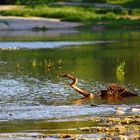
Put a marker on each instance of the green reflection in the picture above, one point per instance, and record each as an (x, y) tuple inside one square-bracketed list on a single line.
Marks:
[(90, 63), (46, 126), (96, 62), (53, 35)]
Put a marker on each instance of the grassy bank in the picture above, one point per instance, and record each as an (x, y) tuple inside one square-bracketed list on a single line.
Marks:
[(90, 15), (126, 3)]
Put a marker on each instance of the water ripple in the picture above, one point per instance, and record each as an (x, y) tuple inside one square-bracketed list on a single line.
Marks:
[(38, 45), (9, 112)]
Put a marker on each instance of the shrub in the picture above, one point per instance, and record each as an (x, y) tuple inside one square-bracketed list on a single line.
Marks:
[(135, 12), (110, 15), (125, 12)]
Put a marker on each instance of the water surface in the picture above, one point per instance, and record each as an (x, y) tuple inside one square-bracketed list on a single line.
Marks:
[(33, 98)]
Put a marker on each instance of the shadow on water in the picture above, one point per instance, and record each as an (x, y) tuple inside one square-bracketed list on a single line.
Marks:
[(36, 102)]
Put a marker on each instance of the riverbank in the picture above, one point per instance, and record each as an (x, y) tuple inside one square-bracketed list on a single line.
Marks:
[(34, 23), (43, 17), (114, 127), (14, 23)]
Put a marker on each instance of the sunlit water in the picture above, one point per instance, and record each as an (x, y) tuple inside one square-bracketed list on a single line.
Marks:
[(29, 90), (41, 45)]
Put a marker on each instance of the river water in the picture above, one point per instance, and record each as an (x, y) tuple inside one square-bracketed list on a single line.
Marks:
[(35, 101)]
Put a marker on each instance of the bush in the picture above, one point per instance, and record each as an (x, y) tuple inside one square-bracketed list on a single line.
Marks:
[(135, 12), (125, 12), (111, 15)]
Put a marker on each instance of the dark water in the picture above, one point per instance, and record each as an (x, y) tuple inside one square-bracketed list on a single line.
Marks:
[(33, 98)]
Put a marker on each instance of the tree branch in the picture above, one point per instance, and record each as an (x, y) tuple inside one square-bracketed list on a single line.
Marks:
[(75, 87)]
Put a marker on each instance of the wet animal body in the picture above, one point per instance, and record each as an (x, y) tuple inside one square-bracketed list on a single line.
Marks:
[(112, 90)]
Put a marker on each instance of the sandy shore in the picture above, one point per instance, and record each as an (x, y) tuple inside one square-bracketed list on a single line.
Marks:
[(29, 23)]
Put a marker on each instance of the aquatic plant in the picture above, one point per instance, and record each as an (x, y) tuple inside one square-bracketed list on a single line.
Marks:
[(34, 63), (17, 66), (48, 64), (120, 71), (60, 63)]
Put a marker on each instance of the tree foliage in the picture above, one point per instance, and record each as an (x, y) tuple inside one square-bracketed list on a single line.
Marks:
[(47, 1), (7, 1)]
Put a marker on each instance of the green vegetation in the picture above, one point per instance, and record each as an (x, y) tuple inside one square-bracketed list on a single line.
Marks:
[(88, 15), (126, 3), (123, 15), (120, 72), (28, 2), (64, 13)]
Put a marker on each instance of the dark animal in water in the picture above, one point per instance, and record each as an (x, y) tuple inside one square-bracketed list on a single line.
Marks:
[(112, 90)]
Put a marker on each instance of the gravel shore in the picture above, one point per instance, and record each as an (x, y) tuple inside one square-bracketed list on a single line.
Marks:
[(29, 23)]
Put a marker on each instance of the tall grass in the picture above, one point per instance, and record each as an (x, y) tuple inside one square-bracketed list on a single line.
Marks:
[(65, 12)]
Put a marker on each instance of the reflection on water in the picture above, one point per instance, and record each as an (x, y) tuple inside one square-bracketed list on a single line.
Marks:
[(50, 112), (32, 35), (30, 87), (41, 45), (38, 112)]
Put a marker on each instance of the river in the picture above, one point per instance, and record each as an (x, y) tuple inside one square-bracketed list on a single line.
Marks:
[(36, 103)]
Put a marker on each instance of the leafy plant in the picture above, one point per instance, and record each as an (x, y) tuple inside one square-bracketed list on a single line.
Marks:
[(135, 12), (120, 71)]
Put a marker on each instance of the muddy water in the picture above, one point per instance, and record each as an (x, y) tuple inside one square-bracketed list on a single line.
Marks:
[(36, 103)]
